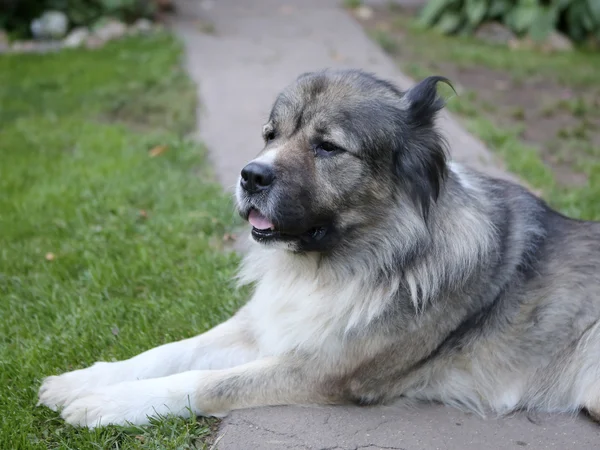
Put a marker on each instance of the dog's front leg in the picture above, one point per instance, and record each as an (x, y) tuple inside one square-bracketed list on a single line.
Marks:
[(228, 344), (264, 382)]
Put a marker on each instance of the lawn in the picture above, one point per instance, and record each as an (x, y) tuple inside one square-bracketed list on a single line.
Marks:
[(112, 230), (539, 112)]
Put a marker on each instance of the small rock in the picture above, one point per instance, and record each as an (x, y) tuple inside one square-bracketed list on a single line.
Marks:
[(142, 26), (494, 33), (363, 12), (557, 42), (50, 25), (76, 38), (110, 29)]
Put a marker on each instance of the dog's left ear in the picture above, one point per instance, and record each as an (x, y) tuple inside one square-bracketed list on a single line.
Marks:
[(422, 163), (423, 101)]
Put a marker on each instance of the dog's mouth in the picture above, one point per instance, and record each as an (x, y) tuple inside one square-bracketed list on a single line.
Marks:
[(263, 229)]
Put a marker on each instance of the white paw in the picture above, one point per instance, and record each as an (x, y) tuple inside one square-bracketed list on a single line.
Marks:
[(57, 391), (107, 406), (133, 402)]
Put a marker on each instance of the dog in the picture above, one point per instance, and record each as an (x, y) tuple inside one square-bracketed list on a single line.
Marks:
[(381, 270)]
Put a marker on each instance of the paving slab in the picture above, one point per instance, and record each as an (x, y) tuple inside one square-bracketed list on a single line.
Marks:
[(241, 54), (421, 427)]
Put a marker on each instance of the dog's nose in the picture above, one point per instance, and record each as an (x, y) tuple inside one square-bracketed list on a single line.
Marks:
[(257, 177)]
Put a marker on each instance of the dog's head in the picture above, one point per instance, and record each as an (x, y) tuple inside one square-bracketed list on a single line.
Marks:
[(340, 146)]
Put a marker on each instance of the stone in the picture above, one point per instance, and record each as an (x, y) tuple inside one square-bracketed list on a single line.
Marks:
[(142, 26), (363, 12), (494, 33), (558, 42), (50, 25), (110, 29), (76, 38)]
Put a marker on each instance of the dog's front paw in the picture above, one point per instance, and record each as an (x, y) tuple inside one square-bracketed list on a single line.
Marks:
[(103, 407), (134, 402), (58, 391)]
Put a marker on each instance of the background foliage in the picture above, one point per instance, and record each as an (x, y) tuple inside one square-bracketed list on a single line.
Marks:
[(578, 19)]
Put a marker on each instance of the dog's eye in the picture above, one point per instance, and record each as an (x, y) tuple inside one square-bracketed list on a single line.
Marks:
[(269, 136), (326, 149)]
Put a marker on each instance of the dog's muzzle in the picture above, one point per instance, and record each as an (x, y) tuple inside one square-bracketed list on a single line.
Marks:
[(256, 182)]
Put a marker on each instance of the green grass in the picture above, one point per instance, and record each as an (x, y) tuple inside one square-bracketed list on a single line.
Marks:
[(105, 251), (352, 4), (419, 52)]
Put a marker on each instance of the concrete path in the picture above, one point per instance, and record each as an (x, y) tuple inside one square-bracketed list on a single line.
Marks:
[(241, 54)]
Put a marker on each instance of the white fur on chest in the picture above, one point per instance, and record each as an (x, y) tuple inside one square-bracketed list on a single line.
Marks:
[(297, 305)]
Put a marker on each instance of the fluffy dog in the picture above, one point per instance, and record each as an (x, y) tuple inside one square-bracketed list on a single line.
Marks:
[(380, 270)]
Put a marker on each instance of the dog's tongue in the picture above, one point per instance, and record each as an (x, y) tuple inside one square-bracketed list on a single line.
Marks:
[(258, 221)]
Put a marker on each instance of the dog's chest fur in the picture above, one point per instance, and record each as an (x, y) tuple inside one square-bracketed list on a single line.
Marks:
[(294, 309)]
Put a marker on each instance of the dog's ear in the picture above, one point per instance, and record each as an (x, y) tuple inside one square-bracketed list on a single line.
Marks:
[(423, 101), (422, 163)]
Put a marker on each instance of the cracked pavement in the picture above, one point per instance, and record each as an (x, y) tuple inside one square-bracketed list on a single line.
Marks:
[(415, 427), (241, 54)]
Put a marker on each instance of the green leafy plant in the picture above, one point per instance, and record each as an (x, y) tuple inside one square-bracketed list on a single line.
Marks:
[(578, 19)]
